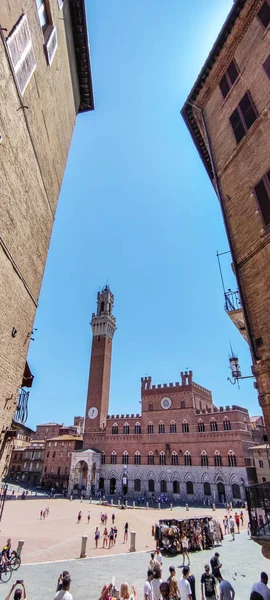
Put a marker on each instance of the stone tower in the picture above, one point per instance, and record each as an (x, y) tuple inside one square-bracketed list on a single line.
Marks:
[(103, 325)]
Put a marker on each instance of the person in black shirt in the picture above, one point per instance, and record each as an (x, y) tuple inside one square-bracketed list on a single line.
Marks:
[(191, 580), (216, 565), (208, 584)]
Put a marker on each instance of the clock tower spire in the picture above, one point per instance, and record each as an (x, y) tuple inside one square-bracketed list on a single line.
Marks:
[(103, 325)]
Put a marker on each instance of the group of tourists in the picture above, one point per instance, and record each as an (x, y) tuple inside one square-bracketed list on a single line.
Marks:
[(44, 513)]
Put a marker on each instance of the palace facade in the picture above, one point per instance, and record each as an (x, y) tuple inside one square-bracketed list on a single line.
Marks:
[(181, 444)]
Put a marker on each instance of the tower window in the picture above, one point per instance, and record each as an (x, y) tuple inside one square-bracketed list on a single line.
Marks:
[(137, 458), (125, 458), (227, 425), (137, 428), (126, 429), (213, 425), (201, 427), (114, 429), (150, 428), (101, 307), (183, 404), (173, 427), (161, 427), (218, 459), (162, 458), (113, 458), (185, 427), (204, 459), (231, 459), (150, 406)]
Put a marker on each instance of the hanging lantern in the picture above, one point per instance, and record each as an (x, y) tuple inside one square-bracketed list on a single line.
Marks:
[(235, 368)]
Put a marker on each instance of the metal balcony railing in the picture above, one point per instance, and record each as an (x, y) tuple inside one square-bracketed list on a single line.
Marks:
[(232, 300), (21, 414), (258, 501)]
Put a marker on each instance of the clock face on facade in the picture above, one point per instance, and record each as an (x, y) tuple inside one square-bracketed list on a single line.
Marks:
[(93, 412), (166, 403)]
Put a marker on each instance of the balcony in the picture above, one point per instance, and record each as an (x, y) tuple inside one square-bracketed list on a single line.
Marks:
[(234, 310), (21, 413), (258, 501)]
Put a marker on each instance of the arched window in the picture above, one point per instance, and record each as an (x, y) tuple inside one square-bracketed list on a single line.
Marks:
[(201, 427), (151, 460), (150, 428), (101, 483), (204, 459), (162, 458), (161, 427), (217, 459), (137, 428), (137, 485), (113, 458), (125, 458), (151, 485), (189, 486), (231, 459), (185, 427), (188, 461), (102, 307), (163, 486), (126, 428), (236, 491), (213, 425), (174, 458), (172, 427), (176, 487), (137, 458), (103, 458), (227, 424), (207, 488)]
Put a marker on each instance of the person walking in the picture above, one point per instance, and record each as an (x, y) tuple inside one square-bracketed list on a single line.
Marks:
[(148, 587), (242, 518), (237, 521), (191, 579), (79, 516), (173, 583), (153, 562), (113, 518), (208, 584), (216, 565), (184, 542), (97, 536), (105, 538), (231, 523), (111, 537), (261, 587), (226, 524), (125, 533), (156, 581), (88, 517), (159, 558), (226, 591), (184, 585)]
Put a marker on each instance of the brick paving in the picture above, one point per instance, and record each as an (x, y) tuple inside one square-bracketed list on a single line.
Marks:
[(60, 536)]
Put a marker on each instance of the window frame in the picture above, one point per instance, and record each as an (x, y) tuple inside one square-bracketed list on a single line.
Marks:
[(265, 180), (241, 116), (264, 26), (227, 78), (266, 66)]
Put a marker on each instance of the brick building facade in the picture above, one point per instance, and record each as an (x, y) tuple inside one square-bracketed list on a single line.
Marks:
[(45, 83), (26, 464), (181, 444), (57, 460), (227, 114)]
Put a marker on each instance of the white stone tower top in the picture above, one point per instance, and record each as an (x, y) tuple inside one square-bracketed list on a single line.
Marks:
[(103, 322)]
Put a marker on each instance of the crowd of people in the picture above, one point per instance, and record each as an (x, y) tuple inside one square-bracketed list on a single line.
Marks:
[(44, 513), (109, 534)]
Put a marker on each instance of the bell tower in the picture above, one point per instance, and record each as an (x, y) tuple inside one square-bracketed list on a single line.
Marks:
[(103, 325)]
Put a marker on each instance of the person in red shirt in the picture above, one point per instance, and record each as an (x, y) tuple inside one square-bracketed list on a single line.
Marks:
[(237, 522)]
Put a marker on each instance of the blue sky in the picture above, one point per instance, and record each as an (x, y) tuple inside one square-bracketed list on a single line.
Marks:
[(137, 210)]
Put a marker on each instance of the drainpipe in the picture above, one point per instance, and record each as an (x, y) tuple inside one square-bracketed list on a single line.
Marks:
[(219, 195)]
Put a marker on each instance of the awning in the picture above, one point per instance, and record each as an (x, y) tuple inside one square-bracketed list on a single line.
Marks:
[(28, 378)]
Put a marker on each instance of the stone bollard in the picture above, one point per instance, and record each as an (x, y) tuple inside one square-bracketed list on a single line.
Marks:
[(171, 506), (90, 500), (20, 547), (125, 503), (119, 504), (83, 546), (214, 507), (133, 504), (111, 501), (147, 505), (132, 547), (100, 501), (71, 497), (81, 498), (158, 506), (187, 508)]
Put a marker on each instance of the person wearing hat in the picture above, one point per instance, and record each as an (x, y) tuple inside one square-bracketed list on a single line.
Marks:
[(18, 593), (216, 565), (64, 593)]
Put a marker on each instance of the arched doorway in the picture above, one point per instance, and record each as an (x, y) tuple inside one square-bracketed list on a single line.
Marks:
[(151, 485), (176, 487), (163, 486), (112, 485), (221, 492), (80, 475), (101, 483)]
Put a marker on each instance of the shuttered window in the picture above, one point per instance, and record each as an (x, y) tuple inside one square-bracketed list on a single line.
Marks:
[(264, 13), (51, 45), (262, 192), (243, 117), (229, 78), (21, 53), (266, 66)]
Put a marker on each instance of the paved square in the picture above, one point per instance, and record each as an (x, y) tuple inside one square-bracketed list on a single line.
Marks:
[(242, 560)]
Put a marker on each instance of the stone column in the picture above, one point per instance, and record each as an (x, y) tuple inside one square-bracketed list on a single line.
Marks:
[(20, 547), (132, 547), (83, 546)]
